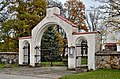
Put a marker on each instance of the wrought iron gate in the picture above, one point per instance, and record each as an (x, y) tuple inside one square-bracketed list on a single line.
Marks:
[(82, 54), (26, 54), (37, 55)]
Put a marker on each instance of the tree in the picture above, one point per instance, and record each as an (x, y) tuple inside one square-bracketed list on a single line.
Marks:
[(59, 30), (31, 12), (27, 14), (51, 44), (58, 4), (105, 17), (93, 17), (4, 13), (75, 10), (110, 8)]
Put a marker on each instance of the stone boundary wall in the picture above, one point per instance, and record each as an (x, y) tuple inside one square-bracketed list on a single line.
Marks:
[(9, 57), (107, 59)]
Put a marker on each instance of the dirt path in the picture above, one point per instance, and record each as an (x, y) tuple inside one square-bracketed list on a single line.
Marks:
[(34, 73)]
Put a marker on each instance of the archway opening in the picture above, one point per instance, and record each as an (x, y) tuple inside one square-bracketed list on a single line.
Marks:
[(26, 53), (54, 48), (81, 52)]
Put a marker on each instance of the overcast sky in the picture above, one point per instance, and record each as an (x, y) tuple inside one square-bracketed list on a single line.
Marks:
[(87, 3)]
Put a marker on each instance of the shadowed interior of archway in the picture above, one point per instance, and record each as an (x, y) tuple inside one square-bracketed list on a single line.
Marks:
[(54, 48)]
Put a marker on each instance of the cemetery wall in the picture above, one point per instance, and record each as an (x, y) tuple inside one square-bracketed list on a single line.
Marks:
[(9, 57), (107, 59)]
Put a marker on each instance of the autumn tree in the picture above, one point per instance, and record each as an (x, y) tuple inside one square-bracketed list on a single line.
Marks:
[(31, 12), (5, 14), (27, 14), (75, 10)]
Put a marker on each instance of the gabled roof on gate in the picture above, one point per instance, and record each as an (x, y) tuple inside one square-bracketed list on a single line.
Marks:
[(79, 33), (64, 19), (27, 37), (110, 44)]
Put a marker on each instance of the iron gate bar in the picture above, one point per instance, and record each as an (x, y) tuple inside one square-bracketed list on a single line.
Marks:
[(83, 52), (26, 54), (36, 56)]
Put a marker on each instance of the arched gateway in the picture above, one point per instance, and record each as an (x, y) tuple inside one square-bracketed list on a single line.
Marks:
[(54, 18)]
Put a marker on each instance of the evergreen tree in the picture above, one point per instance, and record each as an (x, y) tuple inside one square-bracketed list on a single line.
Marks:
[(51, 44)]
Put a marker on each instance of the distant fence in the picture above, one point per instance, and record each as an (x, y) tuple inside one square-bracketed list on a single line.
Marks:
[(9, 57), (107, 59)]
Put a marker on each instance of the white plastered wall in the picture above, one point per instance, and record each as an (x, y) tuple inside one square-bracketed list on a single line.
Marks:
[(38, 31), (21, 45), (52, 19), (91, 42)]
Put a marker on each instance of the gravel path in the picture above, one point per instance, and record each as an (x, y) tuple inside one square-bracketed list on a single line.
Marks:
[(34, 73)]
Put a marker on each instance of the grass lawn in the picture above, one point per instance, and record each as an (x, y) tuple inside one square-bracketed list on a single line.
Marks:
[(98, 74), (84, 60), (12, 65), (2, 65), (53, 63)]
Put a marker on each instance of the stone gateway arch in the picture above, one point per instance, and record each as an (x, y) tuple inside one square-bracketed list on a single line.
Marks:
[(54, 18)]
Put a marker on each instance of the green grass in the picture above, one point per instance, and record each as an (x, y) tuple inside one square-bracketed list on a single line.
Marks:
[(53, 63), (15, 65), (12, 65), (84, 60), (98, 74), (2, 65)]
